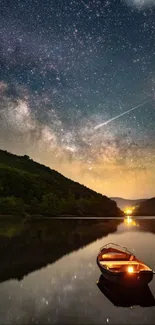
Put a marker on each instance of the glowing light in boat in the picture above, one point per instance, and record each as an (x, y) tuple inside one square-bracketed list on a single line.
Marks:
[(130, 269)]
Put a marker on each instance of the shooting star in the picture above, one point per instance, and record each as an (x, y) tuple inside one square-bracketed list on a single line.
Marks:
[(124, 113)]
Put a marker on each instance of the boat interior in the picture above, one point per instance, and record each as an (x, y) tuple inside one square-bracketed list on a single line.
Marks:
[(117, 256), (116, 262)]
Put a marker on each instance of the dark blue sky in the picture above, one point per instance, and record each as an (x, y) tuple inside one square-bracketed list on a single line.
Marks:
[(67, 66)]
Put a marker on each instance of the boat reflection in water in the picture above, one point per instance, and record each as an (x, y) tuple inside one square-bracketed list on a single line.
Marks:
[(122, 296), (126, 297)]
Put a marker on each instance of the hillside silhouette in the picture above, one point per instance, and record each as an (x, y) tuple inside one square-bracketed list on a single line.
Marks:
[(146, 208), (30, 188)]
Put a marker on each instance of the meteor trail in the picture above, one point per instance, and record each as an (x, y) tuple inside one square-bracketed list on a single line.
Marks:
[(116, 117)]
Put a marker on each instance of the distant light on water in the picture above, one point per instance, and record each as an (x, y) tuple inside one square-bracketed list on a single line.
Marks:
[(129, 221)]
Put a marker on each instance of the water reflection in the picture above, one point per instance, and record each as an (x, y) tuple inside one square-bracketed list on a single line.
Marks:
[(126, 297), (131, 222), (26, 247), (147, 225), (144, 224), (59, 259)]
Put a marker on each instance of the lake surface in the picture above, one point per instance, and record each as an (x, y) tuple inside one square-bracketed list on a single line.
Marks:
[(49, 273)]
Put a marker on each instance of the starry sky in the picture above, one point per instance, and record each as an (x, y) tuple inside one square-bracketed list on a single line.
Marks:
[(69, 66)]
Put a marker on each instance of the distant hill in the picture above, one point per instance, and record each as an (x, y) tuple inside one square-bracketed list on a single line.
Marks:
[(27, 187), (146, 208), (124, 203)]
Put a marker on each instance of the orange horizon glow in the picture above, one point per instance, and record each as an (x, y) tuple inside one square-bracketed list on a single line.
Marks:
[(129, 210)]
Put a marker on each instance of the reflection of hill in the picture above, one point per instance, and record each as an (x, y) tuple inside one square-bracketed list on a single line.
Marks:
[(28, 247), (147, 225)]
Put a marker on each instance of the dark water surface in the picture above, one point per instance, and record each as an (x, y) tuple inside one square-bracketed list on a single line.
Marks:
[(49, 274)]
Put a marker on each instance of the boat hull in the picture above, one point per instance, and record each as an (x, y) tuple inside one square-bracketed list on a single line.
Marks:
[(129, 280)]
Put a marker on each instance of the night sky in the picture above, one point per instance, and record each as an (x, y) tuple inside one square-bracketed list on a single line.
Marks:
[(67, 66)]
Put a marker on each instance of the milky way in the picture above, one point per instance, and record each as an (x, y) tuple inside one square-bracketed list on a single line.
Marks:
[(66, 67)]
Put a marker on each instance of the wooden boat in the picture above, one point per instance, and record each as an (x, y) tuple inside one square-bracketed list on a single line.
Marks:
[(119, 265)]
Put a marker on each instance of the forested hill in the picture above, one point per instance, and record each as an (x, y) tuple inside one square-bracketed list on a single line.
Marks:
[(146, 208), (27, 187)]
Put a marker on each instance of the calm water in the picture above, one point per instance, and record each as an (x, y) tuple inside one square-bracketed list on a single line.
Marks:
[(48, 276)]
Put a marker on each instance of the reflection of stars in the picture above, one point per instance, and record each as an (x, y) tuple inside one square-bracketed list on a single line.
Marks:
[(67, 288), (44, 301)]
